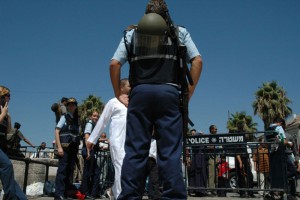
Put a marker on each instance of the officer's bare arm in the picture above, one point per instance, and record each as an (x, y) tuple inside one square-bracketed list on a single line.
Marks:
[(195, 70), (115, 72)]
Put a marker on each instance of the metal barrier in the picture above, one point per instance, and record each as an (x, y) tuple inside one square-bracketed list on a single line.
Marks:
[(107, 175), (27, 162), (227, 162), (104, 160), (221, 152)]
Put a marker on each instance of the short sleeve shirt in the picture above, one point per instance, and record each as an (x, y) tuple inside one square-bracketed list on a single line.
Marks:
[(184, 38), (62, 121), (88, 128)]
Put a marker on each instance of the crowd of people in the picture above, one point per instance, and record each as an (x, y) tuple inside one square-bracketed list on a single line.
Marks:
[(274, 156)]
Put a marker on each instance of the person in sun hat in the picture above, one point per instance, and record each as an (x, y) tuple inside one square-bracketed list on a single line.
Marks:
[(11, 188), (67, 141)]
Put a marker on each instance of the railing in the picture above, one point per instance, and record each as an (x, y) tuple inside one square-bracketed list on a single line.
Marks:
[(219, 155), (221, 151), (27, 162), (106, 166)]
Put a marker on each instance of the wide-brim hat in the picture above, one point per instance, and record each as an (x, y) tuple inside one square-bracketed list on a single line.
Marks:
[(72, 100)]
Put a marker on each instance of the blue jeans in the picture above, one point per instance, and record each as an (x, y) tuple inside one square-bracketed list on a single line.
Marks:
[(11, 188)]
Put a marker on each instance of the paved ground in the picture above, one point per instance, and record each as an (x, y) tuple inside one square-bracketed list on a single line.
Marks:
[(232, 196)]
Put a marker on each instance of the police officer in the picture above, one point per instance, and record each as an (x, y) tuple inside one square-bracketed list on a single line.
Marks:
[(278, 168), (11, 188), (91, 172), (152, 50), (67, 142)]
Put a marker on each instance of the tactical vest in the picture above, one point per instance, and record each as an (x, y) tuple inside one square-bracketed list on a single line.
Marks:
[(157, 68), (96, 146), (69, 133)]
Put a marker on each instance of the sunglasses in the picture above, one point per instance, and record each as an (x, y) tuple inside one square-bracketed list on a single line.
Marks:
[(7, 95)]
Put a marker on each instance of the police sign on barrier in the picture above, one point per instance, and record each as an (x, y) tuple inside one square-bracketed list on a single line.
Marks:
[(215, 139)]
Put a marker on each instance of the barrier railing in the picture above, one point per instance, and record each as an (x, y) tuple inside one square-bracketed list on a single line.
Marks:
[(237, 165), (27, 162), (227, 162), (106, 166)]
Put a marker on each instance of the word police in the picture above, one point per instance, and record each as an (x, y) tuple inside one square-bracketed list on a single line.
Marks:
[(215, 139)]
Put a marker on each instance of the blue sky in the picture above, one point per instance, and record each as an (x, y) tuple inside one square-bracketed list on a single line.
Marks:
[(55, 48)]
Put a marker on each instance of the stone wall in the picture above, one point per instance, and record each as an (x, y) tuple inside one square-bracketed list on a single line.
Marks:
[(36, 171)]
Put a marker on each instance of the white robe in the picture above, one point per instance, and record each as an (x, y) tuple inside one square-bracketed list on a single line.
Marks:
[(114, 112)]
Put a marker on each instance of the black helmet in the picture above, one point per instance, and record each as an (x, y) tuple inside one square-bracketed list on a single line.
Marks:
[(152, 24)]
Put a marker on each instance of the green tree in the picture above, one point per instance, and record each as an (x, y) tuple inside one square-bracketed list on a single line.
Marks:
[(271, 102), (89, 104), (241, 122)]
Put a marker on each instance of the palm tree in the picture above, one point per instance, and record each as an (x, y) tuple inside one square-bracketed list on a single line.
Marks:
[(240, 121), (89, 104), (271, 102)]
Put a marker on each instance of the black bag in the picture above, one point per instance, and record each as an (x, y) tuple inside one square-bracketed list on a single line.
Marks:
[(49, 189)]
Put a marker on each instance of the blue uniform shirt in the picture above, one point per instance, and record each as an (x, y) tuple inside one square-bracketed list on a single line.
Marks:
[(62, 121), (184, 38), (88, 128)]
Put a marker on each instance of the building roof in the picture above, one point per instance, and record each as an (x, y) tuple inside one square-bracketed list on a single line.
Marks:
[(293, 125)]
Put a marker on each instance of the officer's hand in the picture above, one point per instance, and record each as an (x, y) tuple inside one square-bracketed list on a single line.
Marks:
[(88, 156), (60, 151), (124, 99), (89, 146)]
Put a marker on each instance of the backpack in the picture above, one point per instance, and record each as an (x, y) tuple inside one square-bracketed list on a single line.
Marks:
[(49, 189), (57, 111), (13, 139)]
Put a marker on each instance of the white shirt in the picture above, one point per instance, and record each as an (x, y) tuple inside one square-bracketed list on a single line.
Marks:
[(114, 112)]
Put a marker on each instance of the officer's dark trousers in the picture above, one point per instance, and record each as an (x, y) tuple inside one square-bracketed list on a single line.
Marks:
[(65, 171), (278, 168), (91, 176), (149, 106), (11, 188), (153, 184)]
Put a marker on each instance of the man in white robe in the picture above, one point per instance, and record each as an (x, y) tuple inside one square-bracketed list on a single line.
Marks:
[(114, 112)]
